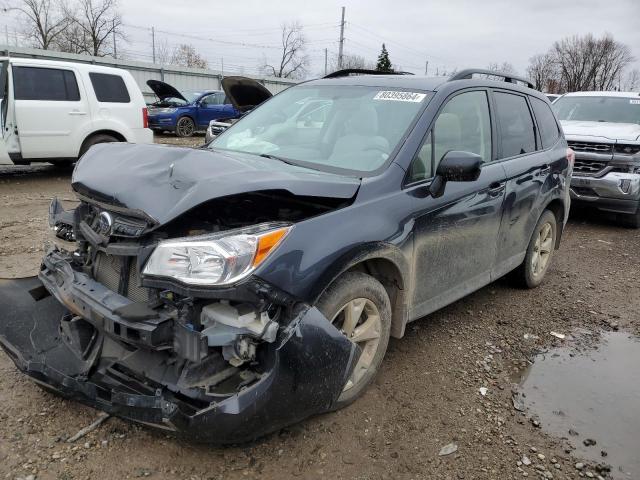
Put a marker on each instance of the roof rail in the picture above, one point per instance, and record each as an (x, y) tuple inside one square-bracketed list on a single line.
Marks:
[(469, 72), (361, 71)]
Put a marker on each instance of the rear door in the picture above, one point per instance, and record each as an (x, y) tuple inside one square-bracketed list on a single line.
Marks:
[(456, 234), (50, 107), (5, 129), (528, 165)]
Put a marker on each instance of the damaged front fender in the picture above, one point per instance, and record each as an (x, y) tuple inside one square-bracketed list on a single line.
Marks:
[(303, 370)]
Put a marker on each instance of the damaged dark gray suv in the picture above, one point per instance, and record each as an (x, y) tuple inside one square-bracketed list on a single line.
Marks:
[(228, 291)]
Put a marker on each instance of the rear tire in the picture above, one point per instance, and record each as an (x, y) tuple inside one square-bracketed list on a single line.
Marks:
[(185, 127), (359, 306), (94, 140), (539, 254)]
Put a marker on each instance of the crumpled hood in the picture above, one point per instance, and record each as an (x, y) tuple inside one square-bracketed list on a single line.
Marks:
[(606, 130), (163, 182)]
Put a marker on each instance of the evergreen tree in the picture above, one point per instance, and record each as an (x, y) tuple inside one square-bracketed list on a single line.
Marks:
[(384, 64)]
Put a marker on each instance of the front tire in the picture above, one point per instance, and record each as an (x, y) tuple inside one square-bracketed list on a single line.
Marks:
[(539, 252), (359, 306), (185, 127)]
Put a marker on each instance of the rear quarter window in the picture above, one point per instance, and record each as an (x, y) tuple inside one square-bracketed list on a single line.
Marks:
[(517, 133), (109, 88), (549, 132), (53, 84)]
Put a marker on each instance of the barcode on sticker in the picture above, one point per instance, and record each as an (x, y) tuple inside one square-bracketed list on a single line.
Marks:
[(634, 102), (395, 96)]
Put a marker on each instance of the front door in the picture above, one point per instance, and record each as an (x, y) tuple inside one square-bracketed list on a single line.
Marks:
[(49, 108), (455, 235), (210, 108)]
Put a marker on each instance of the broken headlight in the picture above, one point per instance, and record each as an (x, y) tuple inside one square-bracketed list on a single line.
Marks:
[(217, 259)]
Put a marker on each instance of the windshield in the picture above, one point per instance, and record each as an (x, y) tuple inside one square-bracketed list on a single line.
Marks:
[(327, 127), (598, 109)]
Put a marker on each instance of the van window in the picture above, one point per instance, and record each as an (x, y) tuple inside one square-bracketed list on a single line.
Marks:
[(547, 124), (36, 83), (516, 125), (109, 88)]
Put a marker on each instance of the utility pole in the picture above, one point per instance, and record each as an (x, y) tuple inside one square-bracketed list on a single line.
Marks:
[(6, 34), (426, 68), (222, 67), (153, 43), (341, 48), (325, 61), (113, 30)]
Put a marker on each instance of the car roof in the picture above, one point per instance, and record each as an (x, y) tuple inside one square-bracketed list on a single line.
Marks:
[(603, 94), (419, 82), (57, 63)]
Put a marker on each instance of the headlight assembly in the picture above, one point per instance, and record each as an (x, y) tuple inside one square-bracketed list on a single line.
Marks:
[(165, 110), (216, 259)]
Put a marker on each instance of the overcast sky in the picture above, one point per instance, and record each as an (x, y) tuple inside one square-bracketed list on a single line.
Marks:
[(446, 33)]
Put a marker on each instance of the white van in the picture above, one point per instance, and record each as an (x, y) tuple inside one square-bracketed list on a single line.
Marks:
[(54, 111)]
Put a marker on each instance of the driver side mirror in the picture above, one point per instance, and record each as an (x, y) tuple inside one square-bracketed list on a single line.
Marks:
[(455, 166)]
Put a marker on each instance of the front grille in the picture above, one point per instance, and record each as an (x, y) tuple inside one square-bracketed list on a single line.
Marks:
[(587, 167), (591, 147), (108, 271)]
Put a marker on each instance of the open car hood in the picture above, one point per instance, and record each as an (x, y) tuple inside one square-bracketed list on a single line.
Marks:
[(164, 90), (160, 183), (245, 93)]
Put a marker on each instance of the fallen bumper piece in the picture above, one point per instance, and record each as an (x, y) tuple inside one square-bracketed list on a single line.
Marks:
[(301, 373)]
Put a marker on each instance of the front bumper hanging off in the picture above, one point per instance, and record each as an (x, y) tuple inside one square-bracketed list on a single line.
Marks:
[(84, 358)]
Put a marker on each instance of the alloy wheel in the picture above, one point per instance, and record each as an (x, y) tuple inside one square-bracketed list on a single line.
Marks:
[(359, 320), (542, 250), (185, 127)]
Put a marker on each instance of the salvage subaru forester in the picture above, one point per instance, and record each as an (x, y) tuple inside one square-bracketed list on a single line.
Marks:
[(225, 292)]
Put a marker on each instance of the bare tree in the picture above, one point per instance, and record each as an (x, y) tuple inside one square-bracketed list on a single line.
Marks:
[(97, 21), (44, 22), (589, 63), (186, 55), (543, 72), (504, 67), (632, 81), (293, 60)]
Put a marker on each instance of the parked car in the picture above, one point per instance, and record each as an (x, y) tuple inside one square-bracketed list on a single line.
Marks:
[(603, 128), (184, 113), (228, 291), (54, 111)]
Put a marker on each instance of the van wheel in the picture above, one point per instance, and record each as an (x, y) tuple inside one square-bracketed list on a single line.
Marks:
[(94, 140), (359, 306), (185, 127), (539, 252)]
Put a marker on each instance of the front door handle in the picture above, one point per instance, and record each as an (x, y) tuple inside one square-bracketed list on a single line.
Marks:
[(77, 112), (496, 188)]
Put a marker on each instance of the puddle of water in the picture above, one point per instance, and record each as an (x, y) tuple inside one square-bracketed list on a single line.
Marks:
[(595, 393)]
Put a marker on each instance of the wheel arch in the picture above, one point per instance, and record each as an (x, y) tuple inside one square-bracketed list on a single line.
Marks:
[(557, 207), (386, 264), (113, 133)]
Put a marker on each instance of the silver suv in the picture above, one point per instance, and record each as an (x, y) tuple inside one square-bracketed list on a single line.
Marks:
[(603, 128)]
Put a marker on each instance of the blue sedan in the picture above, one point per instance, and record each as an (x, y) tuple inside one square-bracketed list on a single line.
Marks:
[(186, 112)]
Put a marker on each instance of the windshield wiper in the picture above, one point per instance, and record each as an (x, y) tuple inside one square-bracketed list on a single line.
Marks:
[(282, 159)]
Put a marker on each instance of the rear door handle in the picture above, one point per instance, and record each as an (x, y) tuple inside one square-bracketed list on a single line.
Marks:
[(496, 188), (77, 112)]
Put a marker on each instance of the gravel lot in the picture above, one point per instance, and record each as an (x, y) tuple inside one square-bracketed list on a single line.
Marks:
[(426, 396)]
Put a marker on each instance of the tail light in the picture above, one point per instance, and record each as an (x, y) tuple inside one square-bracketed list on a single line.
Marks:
[(145, 118), (571, 157)]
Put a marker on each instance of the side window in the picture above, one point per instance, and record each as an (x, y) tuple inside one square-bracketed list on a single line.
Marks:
[(516, 125), (109, 88), (35, 83), (208, 100), (547, 124), (463, 124)]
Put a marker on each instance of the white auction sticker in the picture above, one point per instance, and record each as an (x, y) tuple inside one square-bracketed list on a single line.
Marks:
[(396, 96), (634, 102)]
